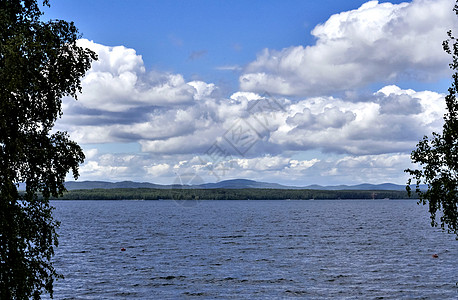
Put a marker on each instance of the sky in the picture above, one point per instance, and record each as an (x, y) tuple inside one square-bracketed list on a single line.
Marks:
[(295, 92)]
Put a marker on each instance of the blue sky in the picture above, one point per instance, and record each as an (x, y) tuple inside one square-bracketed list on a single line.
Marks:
[(358, 84), (195, 38)]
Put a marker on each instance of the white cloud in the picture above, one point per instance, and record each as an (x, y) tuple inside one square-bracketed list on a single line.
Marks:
[(158, 170), (279, 168), (359, 139), (118, 82), (302, 172), (198, 142), (372, 168), (383, 124), (432, 104), (229, 68), (95, 170), (90, 153), (263, 163), (125, 166), (331, 117), (391, 120), (203, 89), (376, 42)]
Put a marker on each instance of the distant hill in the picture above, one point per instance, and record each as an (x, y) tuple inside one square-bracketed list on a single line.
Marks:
[(87, 185), (226, 184), (364, 187), (242, 184)]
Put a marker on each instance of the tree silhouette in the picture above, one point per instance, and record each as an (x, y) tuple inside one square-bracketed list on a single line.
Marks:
[(39, 64), (438, 156)]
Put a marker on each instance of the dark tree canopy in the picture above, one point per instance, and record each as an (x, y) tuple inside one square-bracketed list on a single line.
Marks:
[(39, 64), (438, 156)]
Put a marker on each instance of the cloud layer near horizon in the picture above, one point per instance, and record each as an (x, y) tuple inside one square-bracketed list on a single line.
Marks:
[(312, 138)]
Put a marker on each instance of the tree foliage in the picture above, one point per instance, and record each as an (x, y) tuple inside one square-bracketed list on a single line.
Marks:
[(226, 194), (39, 64), (438, 156)]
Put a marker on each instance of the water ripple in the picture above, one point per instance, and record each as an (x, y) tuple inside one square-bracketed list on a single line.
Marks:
[(252, 249)]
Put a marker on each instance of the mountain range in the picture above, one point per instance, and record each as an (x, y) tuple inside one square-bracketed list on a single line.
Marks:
[(227, 184)]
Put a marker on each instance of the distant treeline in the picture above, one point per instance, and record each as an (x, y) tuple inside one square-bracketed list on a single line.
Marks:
[(227, 194)]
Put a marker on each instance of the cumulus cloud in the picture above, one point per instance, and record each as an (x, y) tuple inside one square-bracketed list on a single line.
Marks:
[(393, 120), (300, 172), (400, 105), (112, 167), (158, 169), (331, 117), (175, 122), (118, 82), (376, 42), (348, 169)]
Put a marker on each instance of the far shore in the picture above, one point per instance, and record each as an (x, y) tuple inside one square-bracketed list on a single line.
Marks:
[(230, 194)]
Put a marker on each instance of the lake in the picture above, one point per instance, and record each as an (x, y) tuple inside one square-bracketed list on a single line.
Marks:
[(327, 249)]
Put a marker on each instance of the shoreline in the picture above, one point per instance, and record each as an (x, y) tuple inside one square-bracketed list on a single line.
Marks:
[(230, 194)]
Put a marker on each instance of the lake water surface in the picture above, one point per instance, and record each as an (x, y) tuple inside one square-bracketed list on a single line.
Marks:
[(339, 249)]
